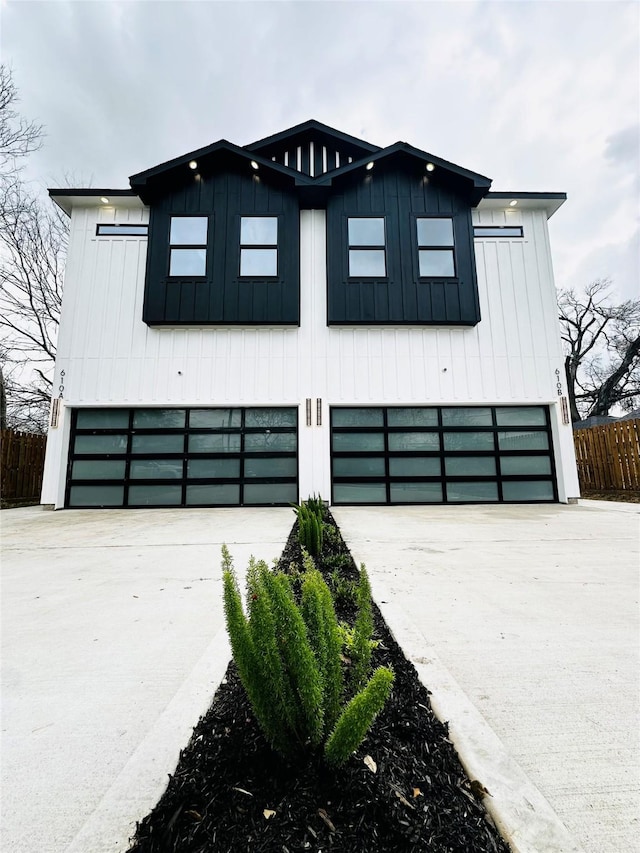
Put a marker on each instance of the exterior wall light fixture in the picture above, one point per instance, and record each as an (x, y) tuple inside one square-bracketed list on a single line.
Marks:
[(193, 164), (370, 166), (104, 199), (430, 167), (513, 202), (254, 165)]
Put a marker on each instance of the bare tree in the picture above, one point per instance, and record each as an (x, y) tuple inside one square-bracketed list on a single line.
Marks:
[(33, 240), (18, 137), (602, 347)]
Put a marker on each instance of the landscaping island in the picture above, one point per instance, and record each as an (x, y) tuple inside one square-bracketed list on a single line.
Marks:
[(402, 791)]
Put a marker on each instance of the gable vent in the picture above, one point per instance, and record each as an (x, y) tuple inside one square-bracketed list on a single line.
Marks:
[(312, 158)]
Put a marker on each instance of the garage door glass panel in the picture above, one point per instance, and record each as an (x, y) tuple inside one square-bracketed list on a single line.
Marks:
[(521, 416), (468, 441), (470, 466), (100, 444), (271, 467), (525, 465), (358, 467), (472, 491), (414, 441), (469, 416), (214, 443), (516, 490), (360, 493), (156, 469), (358, 441), (213, 468), (414, 466), (159, 418), (270, 493), (103, 419), (412, 493), (215, 418), (412, 417), (213, 495), (270, 418), (270, 442), (357, 417), (523, 441), (155, 495), (98, 469), (168, 443), (96, 496)]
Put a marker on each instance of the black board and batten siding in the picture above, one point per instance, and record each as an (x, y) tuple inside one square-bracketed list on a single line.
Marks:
[(222, 297), (402, 297)]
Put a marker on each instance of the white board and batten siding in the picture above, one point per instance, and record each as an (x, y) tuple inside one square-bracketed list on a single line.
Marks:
[(111, 358)]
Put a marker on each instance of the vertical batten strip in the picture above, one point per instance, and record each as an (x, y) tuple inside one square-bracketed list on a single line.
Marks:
[(312, 162)]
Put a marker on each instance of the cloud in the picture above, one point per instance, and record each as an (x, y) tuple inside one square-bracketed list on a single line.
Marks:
[(538, 96)]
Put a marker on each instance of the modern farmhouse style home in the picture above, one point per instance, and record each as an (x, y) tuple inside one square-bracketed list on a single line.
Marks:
[(308, 314)]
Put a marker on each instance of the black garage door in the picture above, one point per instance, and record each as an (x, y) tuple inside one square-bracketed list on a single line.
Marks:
[(442, 455), (183, 457)]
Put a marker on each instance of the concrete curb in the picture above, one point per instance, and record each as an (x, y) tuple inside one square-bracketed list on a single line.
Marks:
[(143, 779), (523, 816)]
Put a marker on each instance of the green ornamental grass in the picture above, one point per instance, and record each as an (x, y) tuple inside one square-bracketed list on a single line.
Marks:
[(289, 659)]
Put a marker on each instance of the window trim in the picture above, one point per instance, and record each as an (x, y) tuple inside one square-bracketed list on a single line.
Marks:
[(435, 247), (276, 246), (205, 246), (367, 247)]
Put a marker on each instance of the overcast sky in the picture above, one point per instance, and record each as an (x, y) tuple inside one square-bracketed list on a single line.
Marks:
[(539, 96)]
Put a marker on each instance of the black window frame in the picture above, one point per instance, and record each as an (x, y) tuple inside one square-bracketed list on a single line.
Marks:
[(479, 232), (276, 246), (191, 277), (121, 229), (364, 247), (435, 247)]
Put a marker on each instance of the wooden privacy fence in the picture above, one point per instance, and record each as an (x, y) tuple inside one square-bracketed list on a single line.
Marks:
[(21, 465), (608, 456)]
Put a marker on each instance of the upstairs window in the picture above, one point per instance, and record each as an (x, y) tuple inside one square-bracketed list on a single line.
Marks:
[(435, 247), (188, 246), (121, 230), (498, 231), (259, 246), (367, 247)]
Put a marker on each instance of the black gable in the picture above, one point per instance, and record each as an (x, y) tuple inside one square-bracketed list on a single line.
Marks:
[(312, 148)]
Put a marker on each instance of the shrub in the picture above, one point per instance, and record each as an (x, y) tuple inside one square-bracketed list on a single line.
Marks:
[(358, 716), (310, 524), (289, 660), (362, 630)]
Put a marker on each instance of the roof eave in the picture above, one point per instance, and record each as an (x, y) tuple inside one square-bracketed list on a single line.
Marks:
[(307, 126), (65, 196), (548, 201)]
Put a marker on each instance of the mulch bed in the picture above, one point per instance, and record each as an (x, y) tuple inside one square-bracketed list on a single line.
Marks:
[(627, 496), (231, 793)]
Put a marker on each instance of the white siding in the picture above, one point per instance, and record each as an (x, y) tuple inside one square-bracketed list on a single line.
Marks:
[(110, 357)]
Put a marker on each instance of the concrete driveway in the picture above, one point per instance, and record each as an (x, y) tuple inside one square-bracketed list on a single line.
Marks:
[(113, 645), (533, 613)]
